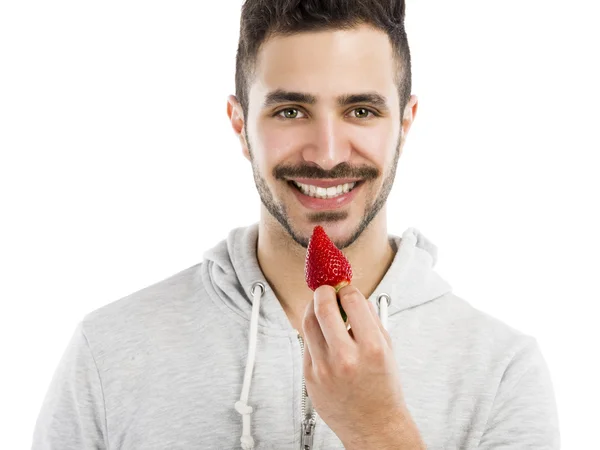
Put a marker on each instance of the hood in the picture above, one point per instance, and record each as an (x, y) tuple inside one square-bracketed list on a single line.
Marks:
[(234, 274), (233, 271)]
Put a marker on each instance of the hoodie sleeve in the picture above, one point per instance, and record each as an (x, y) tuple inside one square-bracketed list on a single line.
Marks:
[(524, 411), (72, 416)]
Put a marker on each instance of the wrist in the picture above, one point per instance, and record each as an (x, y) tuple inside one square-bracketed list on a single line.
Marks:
[(399, 433)]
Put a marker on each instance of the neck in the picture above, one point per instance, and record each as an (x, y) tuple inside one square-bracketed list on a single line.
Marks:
[(281, 260)]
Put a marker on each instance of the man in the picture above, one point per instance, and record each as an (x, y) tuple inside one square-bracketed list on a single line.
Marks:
[(237, 351)]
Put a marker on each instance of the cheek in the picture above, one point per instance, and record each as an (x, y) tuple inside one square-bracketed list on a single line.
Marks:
[(377, 146), (278, 143)]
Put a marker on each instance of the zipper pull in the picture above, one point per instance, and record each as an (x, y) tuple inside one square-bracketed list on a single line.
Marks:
[(308, 430)]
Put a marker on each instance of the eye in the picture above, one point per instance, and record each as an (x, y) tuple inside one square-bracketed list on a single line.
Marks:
[(295, 113), (362, 113), (289, 113)]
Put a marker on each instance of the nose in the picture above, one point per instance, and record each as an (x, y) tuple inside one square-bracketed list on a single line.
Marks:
[(328, 146)]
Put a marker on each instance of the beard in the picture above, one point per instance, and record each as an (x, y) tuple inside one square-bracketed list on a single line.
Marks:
[(343, 170)]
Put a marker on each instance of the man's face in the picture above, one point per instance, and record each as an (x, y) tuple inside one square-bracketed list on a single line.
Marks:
[(323, 131)]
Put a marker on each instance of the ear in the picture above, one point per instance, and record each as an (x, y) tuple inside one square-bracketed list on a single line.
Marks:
[(410, 112), (408, 117), (236, 116)]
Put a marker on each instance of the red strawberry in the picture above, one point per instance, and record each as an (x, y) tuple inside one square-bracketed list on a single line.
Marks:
[(326, 264)]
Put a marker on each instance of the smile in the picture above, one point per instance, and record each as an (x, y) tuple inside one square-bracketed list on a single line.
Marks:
[(325, 195), (313, 191)]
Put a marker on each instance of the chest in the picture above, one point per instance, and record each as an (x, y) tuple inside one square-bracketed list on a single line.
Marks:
[(183, 396)]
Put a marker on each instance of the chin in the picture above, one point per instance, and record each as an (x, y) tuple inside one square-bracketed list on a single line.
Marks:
[(339, 227)]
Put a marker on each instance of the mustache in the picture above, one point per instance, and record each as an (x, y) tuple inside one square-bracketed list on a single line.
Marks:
[(342, 170)]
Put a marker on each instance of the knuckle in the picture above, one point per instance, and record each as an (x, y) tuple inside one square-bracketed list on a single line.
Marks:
[(347, 365), (323, 310), (321, 372), (375, 351), (348, 289), (351, 296)]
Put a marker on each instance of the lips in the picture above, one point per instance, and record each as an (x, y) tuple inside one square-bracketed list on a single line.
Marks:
[(325, 183), (323, 204)]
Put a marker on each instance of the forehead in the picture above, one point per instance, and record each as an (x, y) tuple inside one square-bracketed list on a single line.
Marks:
[(327, 64)]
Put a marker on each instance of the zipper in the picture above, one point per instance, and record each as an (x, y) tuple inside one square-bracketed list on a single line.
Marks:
[(308, 420)]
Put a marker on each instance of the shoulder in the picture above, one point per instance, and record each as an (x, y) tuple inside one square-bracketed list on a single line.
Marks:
[(454, 324), (135, 317)]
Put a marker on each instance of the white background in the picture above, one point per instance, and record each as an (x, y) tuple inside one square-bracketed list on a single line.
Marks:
[(119, 168)]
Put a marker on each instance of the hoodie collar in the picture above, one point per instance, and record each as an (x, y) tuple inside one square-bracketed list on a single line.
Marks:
[(233, 269)]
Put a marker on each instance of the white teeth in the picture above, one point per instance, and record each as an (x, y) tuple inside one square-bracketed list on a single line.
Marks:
[(319, 192)]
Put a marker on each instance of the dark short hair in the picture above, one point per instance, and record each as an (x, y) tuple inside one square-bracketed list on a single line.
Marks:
[(262, 19)]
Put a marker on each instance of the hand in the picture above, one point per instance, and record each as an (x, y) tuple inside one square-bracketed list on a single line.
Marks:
[(352, 377)]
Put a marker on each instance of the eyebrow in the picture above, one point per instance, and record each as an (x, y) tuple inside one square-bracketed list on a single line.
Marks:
[(281, 96)]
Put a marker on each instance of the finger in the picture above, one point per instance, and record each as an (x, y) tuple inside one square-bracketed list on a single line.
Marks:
[(313, 336), (307, 362), (328, 314), (373, 309), (360, 316)]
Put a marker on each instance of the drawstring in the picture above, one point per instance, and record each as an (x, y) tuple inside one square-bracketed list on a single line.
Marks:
[(383, 308), (241, 406)]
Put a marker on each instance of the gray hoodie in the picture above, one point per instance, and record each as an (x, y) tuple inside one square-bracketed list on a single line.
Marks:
[(188, 363)]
